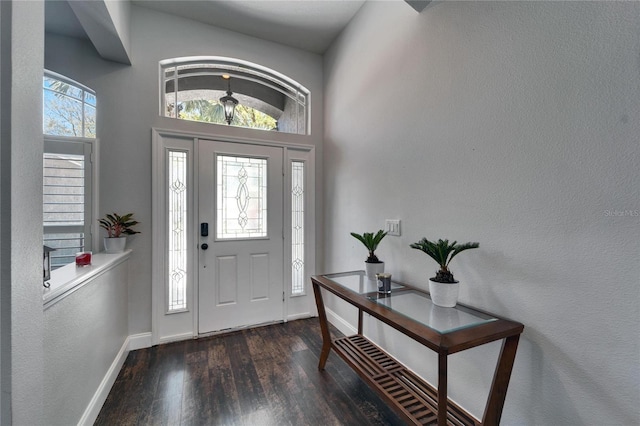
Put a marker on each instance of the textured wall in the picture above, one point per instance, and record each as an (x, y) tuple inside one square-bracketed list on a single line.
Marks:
[(21, 234), (83, 334), (514, 124)]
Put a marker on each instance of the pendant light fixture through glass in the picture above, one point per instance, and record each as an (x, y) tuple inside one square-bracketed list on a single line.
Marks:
[(228, 102)]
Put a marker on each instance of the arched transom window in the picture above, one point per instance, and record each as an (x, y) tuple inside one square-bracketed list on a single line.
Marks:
[(192, 88)]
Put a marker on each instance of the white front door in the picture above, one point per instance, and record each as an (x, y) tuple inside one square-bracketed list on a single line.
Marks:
[(240, 258)]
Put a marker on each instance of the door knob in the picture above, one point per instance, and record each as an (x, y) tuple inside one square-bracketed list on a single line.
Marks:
[(204, 246)]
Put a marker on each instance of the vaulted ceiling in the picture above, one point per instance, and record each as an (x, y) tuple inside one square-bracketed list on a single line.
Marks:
[(310, 25), (306, 24)]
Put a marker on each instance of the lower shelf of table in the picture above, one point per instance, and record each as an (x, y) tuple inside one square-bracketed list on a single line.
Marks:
[(413, 398)]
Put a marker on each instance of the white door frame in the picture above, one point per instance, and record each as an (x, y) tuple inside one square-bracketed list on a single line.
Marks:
[(183, 324)]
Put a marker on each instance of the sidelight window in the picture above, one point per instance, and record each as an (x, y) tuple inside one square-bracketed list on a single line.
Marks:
[(297, 227), (177, 233)]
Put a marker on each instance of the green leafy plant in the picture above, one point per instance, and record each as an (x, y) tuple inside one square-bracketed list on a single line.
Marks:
[(370, 241), (115, 225), (443, 252)]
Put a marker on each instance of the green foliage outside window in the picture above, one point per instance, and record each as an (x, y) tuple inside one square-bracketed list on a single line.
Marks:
[(212, 112)]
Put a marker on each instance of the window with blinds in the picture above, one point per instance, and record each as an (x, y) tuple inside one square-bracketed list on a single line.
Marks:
[(69, 128), (66, 199)]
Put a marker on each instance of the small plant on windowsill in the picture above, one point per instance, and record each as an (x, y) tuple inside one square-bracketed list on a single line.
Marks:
[(373, 265), (117, 227)]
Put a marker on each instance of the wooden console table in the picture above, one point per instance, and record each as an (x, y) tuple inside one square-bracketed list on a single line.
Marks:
[(443, 330)]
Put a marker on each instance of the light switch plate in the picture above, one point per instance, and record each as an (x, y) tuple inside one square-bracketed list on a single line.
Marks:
[(392, 227)]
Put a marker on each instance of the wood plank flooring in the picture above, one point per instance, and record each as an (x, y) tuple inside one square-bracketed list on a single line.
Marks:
[(261, 376)]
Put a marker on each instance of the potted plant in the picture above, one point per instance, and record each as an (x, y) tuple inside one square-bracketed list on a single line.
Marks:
[(373, 265), (117, 227), (443, 287)]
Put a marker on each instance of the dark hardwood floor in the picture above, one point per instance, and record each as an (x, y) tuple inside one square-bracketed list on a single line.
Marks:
[(261, 376)]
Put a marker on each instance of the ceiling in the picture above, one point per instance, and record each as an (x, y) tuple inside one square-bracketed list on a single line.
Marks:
[(60, 19), (311, 25)]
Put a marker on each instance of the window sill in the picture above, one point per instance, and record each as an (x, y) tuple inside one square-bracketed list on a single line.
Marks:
[(66, 280)]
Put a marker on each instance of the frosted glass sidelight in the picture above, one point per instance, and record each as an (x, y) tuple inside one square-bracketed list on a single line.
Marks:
[(177, 232), (241, 197), (297, 227)]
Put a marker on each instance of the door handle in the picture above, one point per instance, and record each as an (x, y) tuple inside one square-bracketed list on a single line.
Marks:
[(204, 246)]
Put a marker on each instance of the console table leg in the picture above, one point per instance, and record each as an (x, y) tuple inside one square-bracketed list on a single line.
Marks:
[(442, 389), (498, 392), (324, 327)]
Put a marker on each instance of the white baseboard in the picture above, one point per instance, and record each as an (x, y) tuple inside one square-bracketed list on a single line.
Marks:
[(93, 409), (139, 341), (340, 323)]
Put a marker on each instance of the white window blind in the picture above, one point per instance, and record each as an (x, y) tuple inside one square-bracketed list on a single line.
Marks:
[(66, 192)]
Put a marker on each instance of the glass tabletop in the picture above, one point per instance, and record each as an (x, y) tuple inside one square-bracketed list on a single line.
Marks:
[(357, 281), (411, 303)]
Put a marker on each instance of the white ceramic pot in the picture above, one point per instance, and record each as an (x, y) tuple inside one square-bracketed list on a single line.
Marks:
[(444, 294), (372, 269), (114, 245)]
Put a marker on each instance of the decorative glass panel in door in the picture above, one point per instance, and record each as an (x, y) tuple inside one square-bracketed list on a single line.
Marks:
[(241, 197)]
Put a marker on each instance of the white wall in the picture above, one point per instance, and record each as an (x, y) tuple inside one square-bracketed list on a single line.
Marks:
[(128, 108), (107, 25), (21, 39), (120, 14), (5, 221), (515, 124), (84, 335)]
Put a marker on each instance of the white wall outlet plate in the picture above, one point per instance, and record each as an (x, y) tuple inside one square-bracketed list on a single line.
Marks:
[(392, 227)]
